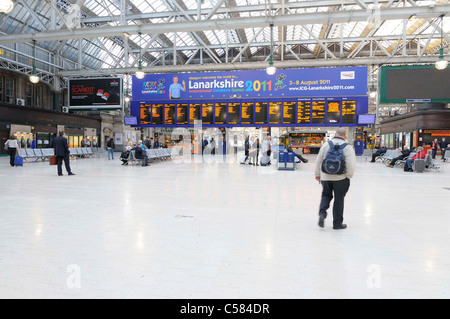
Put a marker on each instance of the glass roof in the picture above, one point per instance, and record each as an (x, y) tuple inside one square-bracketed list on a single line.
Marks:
[(109, 52)]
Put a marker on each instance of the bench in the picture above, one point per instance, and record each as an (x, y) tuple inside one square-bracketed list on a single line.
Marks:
[(388, 156), (430, 163)]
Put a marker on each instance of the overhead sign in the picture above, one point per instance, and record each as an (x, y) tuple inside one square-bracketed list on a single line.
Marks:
[(347, 81), (95, 94)]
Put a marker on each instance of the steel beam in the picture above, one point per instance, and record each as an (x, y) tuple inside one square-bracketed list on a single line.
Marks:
[(251, 66), (233, 23)]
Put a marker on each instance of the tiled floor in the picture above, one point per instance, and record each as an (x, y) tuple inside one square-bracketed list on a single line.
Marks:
[(215, 230)]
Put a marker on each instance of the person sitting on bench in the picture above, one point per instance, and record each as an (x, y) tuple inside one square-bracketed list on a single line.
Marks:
[(405, 153), (409, 162), (381, 151), (141, 154)]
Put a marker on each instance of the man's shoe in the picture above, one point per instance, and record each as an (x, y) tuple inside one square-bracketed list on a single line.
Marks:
[(60, 175), (343, 226), (305, 161), (71, 174), (321, 222)]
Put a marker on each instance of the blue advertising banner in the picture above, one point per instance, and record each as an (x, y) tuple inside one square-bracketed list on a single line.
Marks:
[(322, 82)]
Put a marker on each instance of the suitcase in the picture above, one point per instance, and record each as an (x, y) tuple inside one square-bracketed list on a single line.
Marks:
[(419, 165), (265, 160), (242, 160), (18, 161), (53, 160)]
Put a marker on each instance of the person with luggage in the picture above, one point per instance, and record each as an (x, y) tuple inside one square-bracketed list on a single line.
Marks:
[(409, 162), (62, 153), (12, 146), (443, 145), (434, 148), (110, 147), (335, 166), (381, 151)]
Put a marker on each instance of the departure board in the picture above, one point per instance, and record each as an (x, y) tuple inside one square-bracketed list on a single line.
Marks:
[(304, 112), (318, 112), (207, 113), (194, 113), (247, 113), (157, 114), (260, 112), (275, 112), (334, 112), (182, 114), (169, 113), (348, 112), (289, 112), (234, 113), (221, 113), (145, 114)]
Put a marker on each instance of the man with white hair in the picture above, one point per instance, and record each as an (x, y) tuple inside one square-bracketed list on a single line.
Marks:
[(335, 166)]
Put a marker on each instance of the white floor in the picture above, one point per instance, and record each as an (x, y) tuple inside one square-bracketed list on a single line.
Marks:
[(219, 231)]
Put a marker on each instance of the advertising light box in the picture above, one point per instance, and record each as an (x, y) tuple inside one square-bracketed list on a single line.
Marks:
[(95, 94), (346, 81)]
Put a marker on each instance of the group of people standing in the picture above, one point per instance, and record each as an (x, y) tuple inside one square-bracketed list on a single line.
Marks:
[(436, 146)]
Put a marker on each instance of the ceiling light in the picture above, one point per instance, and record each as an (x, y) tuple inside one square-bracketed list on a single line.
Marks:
[(33, 77), (442, 63), (6, 6), (271, 69), (139, 73)]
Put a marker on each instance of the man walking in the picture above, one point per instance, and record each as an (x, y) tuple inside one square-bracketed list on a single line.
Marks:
[(335, 183), (62, 153)]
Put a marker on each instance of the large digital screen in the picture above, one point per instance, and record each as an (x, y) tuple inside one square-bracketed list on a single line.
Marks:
[(207, 113), (416, 83), (157, 113), (169, 113), (194, 113), (348, 111), (275, 112), (247, 113), (318, 111), (289, 112), (333, 112), (182, 113), (234, 113), (304, 112), (260, 113), (145, 115), (221, 113), (95, 94)]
